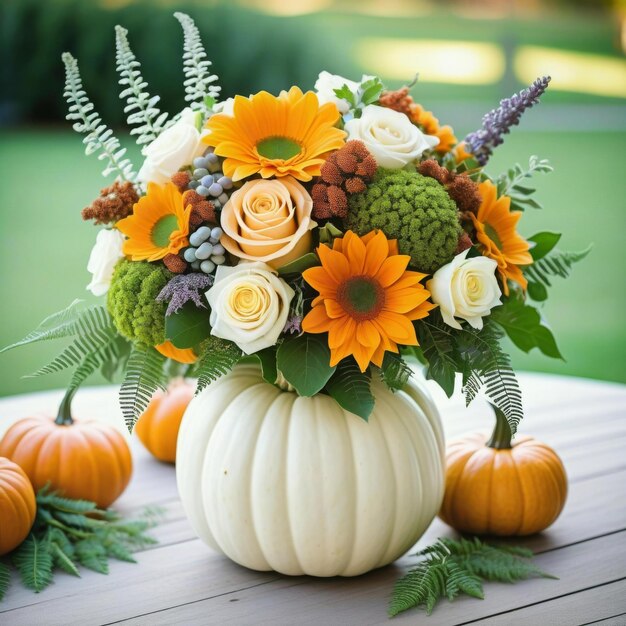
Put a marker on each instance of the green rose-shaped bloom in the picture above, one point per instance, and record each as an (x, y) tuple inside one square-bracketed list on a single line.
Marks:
[(131, 301), (414, 209)]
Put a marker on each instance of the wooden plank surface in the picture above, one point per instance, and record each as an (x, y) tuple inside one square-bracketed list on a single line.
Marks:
[(181, 581)]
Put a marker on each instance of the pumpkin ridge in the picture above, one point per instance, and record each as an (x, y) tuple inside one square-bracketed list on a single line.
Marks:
[(387, 544), (120, 455), (520, 490)]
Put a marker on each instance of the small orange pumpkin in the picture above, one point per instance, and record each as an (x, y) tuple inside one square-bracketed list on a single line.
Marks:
[(158, 426), (82, 460), (17, 505), (495, 487)]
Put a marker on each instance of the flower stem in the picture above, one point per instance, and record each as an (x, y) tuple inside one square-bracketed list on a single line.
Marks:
[(64, 415), (501, 436)]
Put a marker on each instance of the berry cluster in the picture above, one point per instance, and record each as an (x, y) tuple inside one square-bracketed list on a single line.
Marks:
[(208, 180), (205, 251)]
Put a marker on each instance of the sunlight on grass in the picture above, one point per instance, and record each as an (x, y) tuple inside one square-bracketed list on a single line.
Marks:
[(439, 61)]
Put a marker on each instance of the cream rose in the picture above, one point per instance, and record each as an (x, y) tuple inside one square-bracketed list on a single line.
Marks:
[(175, 147), (249, 305), (465, 288), (106, 252), (390, 136), (326, 84), (268, 221)]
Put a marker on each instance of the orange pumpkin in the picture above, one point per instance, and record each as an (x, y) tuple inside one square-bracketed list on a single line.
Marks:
[(158, 426), (82, 460), (17, 505), (495, 487)]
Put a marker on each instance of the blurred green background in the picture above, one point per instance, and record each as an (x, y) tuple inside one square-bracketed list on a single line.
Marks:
[(469, 55)]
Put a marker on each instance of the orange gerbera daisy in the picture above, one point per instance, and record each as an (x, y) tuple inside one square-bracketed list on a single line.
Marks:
[(286, 135), (495, 231), (158, 226), (368, 300)]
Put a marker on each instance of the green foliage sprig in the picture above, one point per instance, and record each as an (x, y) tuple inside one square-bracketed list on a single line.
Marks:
[(450, 568), (95, 343), (99, 138), (72, 533), (510, 183), (218, 357), (140, 105), (199, 82), (368, 92)]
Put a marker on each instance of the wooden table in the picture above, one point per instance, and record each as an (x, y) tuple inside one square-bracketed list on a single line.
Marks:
[(181, 581)]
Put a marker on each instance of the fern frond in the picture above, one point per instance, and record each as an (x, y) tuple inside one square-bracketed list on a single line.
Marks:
[(33, 561), (395, 372), (218, 358), (5, 579), (99, 138), (437, 343), (63, 561), (556, 263), (487, 366), (198, 79), (55, 326), (140, 105), (47, 499), (144, 375), (92, 555)]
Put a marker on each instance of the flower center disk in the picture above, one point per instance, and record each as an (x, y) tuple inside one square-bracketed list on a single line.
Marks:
[(162, 230), (278, 148), (361, 297)]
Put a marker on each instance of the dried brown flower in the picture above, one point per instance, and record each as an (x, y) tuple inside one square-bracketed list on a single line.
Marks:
[(174, 263), (345, 172), (181, 180), (398, 100), (201, 209), (460, 187), (115, 203), (464, 243)]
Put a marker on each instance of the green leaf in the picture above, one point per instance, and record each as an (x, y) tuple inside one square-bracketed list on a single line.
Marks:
[(437, 345), (345, 93), (92, 555), (188, 327), (63, 561), (537, 291), (267, 359), (144, 375), (395, 373), (218, 357), (328, 233), (5, 579), (544, 242), (522, 323), (371, 90), (300, 264), (33, 561), (305, 363), (350, 388)]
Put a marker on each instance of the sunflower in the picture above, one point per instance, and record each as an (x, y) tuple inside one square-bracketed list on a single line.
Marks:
[(495, 231), (158, 226), (367, 299), (286, 135)]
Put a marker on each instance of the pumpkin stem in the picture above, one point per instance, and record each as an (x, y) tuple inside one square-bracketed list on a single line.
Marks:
[(501, 436), (64, 416)]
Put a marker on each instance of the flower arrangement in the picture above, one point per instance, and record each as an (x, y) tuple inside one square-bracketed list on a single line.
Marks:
[(332, 235)]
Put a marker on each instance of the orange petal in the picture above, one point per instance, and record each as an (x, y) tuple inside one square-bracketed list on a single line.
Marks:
[(377, 251), (392, 269), (321, 280), (316, 320)]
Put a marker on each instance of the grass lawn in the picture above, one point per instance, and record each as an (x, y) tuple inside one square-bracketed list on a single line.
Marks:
[(45, 245)]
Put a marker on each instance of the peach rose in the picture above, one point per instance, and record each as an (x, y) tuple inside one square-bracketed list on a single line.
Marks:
[(268, 221)]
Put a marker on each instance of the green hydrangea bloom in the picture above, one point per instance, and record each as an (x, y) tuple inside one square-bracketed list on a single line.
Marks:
[(414, 209), (131, 301)]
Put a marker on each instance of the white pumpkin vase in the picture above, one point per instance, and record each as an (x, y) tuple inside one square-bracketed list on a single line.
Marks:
[(280, 482)]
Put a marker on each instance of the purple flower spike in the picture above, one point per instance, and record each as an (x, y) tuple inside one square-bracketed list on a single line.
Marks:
[(498, 122), (293, 325), (182, 288)]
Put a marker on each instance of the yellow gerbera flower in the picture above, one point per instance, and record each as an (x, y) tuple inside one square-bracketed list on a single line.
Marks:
[(286, 135), (495, 231), (368, 300), (158, 226)]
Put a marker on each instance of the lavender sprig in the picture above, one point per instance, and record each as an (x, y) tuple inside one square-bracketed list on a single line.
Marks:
[(498, 121), (182, 288), (294, 324)]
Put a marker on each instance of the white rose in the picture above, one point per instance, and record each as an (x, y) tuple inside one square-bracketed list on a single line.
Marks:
[(249, 305), (226, 107), (326, 84), (175, 147), (106, 252), (390, 136), (465, 288)]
